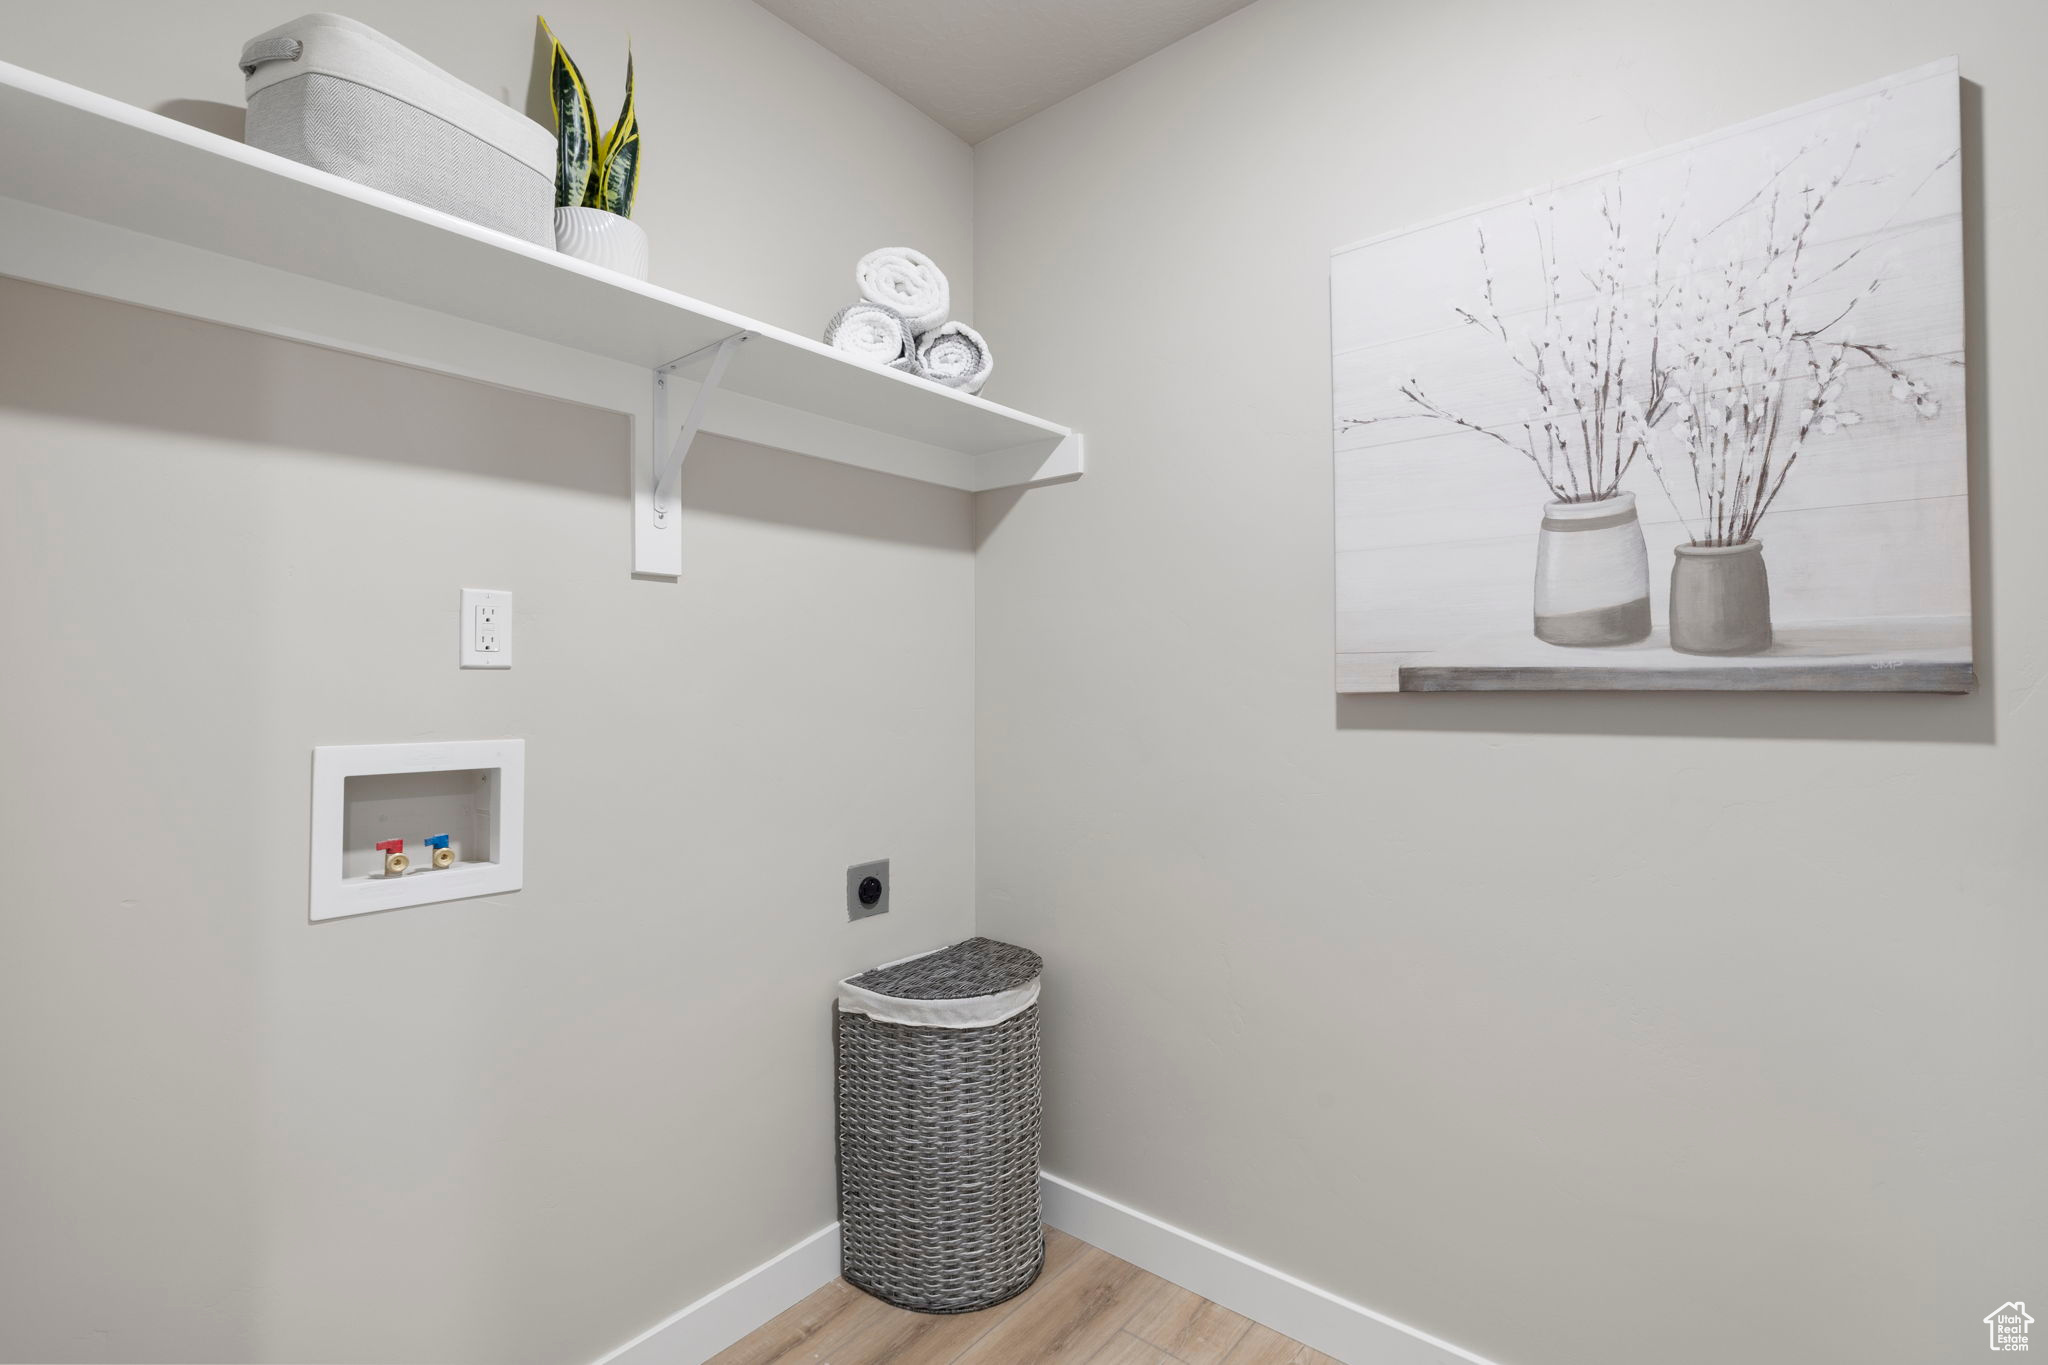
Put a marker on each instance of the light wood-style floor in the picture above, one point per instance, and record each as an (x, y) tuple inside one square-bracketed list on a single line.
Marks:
[(1088, 1308)]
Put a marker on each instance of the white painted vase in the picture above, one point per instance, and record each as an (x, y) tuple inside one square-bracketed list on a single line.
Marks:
[(1592, 574), (602, 239)]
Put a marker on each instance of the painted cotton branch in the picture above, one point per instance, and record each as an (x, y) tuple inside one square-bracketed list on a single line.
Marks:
[(1579, 363), (1753, 383)]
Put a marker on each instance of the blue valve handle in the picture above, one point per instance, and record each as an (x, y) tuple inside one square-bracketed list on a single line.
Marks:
[(436, 841)]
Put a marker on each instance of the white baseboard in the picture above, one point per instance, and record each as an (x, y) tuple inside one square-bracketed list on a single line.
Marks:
[(694, 1334), (1336, 1327)]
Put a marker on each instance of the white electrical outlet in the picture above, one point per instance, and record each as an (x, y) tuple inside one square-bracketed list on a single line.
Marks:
[(486, 628)]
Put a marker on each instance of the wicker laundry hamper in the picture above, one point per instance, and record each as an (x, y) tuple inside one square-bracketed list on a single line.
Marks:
[(938, 1098)]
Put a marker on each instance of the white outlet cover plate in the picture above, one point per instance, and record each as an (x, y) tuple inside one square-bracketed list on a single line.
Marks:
[(486, 628), (331, 895)]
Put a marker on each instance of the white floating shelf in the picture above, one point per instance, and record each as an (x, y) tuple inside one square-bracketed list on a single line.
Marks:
[(108, 199)]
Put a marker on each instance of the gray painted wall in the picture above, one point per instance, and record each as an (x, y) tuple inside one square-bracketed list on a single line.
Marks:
[(1579, 1030), (514, 1130)]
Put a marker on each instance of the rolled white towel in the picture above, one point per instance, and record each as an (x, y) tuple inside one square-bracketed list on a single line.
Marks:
[(877, 334), (897, 277), (955, 355)]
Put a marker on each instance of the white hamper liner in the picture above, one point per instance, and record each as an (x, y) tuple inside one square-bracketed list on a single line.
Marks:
[(973, 1011), (338, 95)]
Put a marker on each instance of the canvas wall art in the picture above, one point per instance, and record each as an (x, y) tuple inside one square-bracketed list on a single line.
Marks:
[(1694, 422)]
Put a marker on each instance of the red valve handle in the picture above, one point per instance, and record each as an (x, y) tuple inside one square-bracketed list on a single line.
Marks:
[(392, 846)]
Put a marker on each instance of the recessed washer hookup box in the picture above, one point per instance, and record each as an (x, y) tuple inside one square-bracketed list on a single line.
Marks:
[(464, 801)]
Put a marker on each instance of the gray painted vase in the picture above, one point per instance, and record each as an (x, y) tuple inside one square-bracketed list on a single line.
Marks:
[(1720, 599), (1592, 574)]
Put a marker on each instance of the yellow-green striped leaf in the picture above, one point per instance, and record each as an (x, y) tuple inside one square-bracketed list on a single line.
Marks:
[(575, 127), (618, 174)]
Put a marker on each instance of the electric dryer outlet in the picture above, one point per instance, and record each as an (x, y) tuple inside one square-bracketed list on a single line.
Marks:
[(867, 889)]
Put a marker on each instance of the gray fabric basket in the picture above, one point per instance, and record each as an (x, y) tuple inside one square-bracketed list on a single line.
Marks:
[(338, 95), (939, 1129)]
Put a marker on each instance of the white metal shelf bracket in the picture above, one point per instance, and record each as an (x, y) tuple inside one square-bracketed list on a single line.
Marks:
[(669, 463)]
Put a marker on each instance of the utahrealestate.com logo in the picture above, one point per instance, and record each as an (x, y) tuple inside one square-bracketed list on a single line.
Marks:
[(2008, 1325)]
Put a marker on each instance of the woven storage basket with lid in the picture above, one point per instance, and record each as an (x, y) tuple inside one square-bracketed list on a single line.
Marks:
[(938, 1110)]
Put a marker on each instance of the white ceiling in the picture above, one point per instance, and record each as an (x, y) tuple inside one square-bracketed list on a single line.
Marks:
[(978, 66)]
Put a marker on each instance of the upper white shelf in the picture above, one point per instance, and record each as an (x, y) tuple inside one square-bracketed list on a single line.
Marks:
[(103, 165)]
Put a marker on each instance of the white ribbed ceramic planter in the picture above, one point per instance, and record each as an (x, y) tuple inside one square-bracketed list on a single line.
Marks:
[(602, 239), (1592, 574)]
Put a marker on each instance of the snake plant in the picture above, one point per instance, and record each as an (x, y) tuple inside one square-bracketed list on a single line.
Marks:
[(592, 170)]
